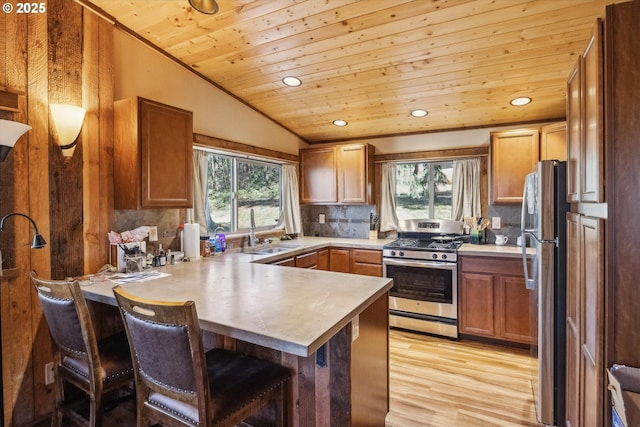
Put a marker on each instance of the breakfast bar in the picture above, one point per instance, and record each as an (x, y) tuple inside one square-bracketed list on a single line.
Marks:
[(330, 328)]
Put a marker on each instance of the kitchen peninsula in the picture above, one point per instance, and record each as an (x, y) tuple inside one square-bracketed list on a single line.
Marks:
[(330, 328)]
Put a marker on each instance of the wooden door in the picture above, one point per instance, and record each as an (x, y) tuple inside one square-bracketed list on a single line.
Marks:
[(318, 175), (574, 132), (553, 142), (323, 260), (166, 140), (573, 357), (513, 315), (352, 174), (592, 322), (339, 260), (514, 154), (477, 296), (592, 153)]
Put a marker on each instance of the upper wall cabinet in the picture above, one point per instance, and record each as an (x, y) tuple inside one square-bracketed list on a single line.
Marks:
[(338, 174), (592, 144), (553, 142), (153, 149), (514, 154), (585, 172)]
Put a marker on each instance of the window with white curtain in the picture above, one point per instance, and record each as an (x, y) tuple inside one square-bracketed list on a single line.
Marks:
[(235, 185), (423, 190)]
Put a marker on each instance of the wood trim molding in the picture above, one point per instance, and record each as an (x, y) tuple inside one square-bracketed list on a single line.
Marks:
[(238, 147), (9, 101), (433, 155)]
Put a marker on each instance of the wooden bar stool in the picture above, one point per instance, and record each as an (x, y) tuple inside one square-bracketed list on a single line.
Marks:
[(93, 366), (178, 384)]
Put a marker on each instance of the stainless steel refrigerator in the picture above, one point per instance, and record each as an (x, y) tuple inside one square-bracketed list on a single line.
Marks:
[(543, 225)]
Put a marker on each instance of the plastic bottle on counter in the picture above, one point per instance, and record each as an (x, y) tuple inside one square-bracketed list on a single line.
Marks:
[(161, 255), (221, 238)]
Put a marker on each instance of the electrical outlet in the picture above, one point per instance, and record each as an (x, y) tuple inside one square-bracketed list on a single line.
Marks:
[(496, 223), (49, 374), (355, 328), (321, 218)]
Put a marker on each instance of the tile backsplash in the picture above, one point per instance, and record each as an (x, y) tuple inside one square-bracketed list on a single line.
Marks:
[(510, 227), (339, 220)]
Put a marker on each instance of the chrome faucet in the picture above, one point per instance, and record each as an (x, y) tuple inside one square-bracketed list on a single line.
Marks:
[(252, 226)]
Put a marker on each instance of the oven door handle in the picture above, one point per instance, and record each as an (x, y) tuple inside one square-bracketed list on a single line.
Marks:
[(432, 264)]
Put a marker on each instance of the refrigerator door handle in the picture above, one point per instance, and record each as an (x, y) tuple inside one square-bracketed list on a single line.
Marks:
[(524, 232)]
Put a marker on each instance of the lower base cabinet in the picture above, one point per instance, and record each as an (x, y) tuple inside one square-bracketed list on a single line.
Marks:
[(343, 260), (494, 301)]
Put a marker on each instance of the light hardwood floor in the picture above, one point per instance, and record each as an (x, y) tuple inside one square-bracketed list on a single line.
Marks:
[(440, 382)]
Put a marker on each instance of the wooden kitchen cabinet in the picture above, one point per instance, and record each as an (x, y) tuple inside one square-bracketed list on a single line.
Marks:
[(152, 155), (367, 262), (287, 262), (592, 144), (585, 111), (308, 260), (323, 260), (585, 375), (574, 132), (340, 260), (318, 175), (553, 142), (494, 301), (338, 174), (514, 154)]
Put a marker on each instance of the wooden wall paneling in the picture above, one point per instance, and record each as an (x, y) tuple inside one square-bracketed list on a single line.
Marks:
[(623, 161), (38, 160), (17, 343), (65, 86), (91, 145)]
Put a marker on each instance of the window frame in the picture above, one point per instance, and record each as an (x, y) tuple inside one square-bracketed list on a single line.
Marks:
[(431, 187), (236, 158)]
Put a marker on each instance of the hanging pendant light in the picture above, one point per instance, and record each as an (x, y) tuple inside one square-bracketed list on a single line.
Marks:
[(210, 7)]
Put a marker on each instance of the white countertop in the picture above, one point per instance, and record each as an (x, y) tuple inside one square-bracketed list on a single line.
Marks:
[(493, 250), (293, 310)]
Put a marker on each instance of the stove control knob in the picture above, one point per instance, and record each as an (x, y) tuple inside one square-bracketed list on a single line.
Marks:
[(401, 253), (444, 256), (434, 256), (393, 253)]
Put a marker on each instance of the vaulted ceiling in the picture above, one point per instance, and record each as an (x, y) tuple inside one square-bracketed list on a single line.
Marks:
[(370, 62)]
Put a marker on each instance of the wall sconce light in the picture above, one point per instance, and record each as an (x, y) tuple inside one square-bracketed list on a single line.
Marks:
[(210, 7), (38, 240), (67, 120), (10, 132)]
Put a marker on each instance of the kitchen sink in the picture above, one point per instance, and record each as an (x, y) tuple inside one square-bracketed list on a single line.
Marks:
[(270, 249)]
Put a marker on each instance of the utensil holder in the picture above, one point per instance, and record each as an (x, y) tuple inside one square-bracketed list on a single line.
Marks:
[(477, 237), (134, 263)]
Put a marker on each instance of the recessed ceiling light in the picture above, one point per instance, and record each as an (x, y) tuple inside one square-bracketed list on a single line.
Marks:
[(292, 81), (518, 102), (419, 113), (340, 122)]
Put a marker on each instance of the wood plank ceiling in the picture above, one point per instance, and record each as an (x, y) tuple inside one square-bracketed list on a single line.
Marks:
[(371, 62)]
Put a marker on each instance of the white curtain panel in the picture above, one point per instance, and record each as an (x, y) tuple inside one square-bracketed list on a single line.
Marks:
[(388, 216), (290, 218), (200, 190), (465, 192)]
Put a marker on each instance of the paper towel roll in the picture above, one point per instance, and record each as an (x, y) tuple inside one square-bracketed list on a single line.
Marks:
[(192, 241)]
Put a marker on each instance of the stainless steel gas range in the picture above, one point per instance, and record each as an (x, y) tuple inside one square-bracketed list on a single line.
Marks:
[(423, 265)]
